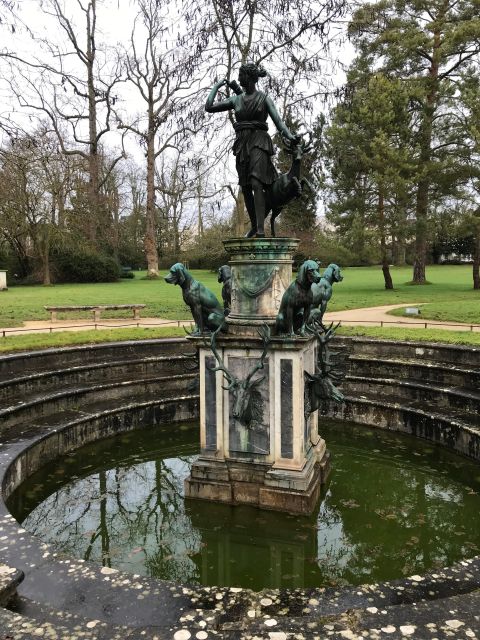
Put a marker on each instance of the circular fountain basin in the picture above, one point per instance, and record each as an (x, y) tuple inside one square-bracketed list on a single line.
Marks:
[(394, 506)]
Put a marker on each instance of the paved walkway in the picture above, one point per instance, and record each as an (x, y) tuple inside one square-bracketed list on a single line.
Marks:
[(44, 326), (370, 316), (375, 316)]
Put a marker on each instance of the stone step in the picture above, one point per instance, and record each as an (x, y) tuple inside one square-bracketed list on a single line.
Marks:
[(18, 388), (453, 617), (43, 616), (460, 399), (25, 362), (457, 355), (451, 375), (77, 397), (72, 429), (456, 430), (63, 626)]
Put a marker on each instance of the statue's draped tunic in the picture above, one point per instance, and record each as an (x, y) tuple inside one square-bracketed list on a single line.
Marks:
[(253, 148)]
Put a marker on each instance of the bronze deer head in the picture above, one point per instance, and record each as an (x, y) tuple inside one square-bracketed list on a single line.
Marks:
[(246, 398), (321, 384)]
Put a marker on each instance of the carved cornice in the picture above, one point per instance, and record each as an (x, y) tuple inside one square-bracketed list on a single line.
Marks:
[(261, 248)]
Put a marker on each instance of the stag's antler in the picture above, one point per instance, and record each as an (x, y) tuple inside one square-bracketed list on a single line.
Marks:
[(221, 366), (264, 333), (324, 335)]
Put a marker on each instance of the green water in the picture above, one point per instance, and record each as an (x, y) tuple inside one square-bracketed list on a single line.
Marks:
[(394, 506)]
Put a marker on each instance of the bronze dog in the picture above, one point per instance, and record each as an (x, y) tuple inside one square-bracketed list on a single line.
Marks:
[(225, 276), (322, 292), (206, 310), (297, 301)]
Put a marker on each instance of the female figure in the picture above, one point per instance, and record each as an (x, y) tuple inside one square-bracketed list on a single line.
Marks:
[(253, 148)]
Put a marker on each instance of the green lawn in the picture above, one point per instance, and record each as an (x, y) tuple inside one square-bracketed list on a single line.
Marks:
[(414, 335), (64, 338), (42, 340), (450, 293)]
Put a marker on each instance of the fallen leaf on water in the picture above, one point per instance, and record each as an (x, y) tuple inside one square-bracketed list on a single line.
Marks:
[(351, 504)]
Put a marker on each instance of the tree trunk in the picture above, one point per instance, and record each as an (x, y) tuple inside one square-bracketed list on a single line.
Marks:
[(46, 267), (423, 186), (383, 240), (150, 240), (421, 225), (200, 204), (93, 159), (241, 221)]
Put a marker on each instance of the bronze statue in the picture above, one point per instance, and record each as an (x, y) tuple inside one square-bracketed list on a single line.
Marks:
[(247, 400), (288, 185), (321, 385), (297, 301), (225, 276), (253, 147), (322, 292), (206, 310)]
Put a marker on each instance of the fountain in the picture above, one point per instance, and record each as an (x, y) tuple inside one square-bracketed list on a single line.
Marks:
[(259, 440), (259, 436)]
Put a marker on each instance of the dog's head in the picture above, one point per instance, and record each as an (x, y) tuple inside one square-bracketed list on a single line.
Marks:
[(336, 272), (224, 273), (308, 273), (177, 274)]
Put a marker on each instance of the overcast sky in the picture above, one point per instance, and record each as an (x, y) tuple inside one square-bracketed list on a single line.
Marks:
[(115, 21)]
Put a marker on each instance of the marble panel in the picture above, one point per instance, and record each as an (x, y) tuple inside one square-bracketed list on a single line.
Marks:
[(255, 438)]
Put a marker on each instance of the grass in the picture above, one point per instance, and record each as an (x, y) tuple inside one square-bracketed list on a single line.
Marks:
[(450, 297), (414, 335), (450, 292), (32, 341), (466, 311)]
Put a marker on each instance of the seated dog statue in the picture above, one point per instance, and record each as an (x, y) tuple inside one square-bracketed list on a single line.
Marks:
[(225, 276), (206, 310), (297, 301), (322, 292)]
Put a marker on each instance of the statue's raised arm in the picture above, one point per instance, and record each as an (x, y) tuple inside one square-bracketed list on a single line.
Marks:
[(224, 105)]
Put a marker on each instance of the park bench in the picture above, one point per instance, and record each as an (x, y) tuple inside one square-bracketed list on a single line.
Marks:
[(96, 308)]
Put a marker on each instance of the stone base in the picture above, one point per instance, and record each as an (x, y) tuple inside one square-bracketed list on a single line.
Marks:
[(259, 485)]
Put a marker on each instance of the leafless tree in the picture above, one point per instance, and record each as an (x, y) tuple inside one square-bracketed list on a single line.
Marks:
[(34, 178), (162, 77), (73, 82)]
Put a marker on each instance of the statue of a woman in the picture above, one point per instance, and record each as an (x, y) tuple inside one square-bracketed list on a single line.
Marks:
[(253, 148)]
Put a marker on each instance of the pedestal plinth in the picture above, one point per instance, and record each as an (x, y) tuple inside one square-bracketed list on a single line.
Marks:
[(261, 271), (274, 459)]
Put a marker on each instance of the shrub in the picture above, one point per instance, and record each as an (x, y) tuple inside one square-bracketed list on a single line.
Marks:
[(84, 266)]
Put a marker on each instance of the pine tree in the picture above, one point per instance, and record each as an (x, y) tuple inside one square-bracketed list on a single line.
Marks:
[(370, 162), (427, 44)]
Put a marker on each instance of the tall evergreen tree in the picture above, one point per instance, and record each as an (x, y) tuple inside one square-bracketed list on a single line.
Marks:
[(427, 43), (370, 161)]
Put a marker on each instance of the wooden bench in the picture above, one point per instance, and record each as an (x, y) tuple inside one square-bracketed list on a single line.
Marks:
[(97, 309)]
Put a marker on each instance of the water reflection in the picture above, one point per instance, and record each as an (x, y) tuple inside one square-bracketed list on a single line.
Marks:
[(394, 507)]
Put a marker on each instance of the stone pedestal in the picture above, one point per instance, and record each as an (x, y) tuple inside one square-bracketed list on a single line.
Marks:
[(3, 280), (278, 461)]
